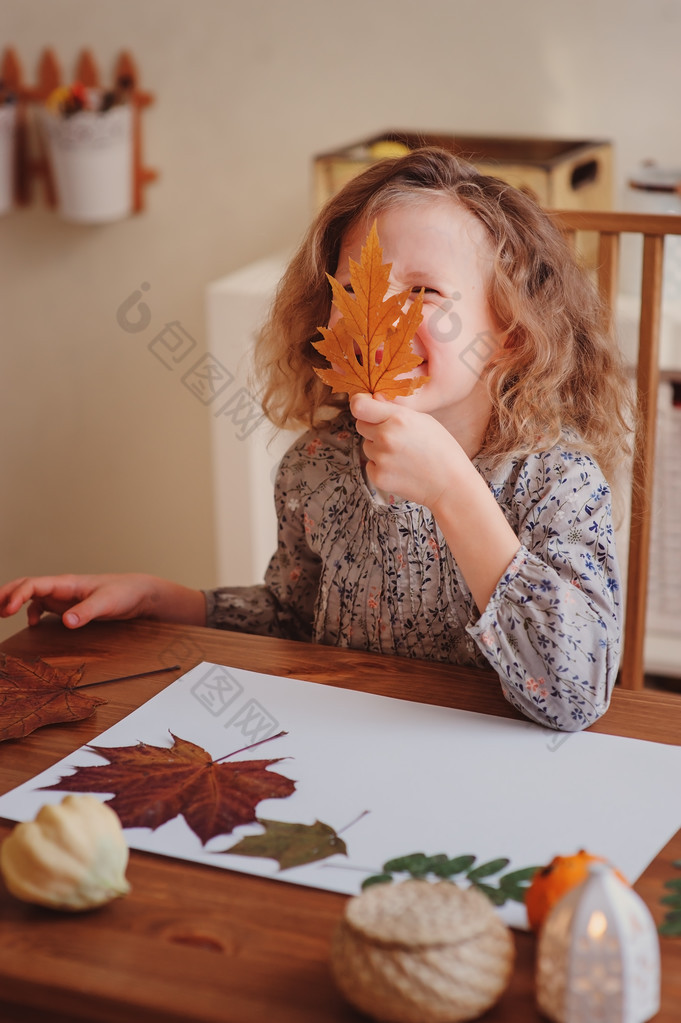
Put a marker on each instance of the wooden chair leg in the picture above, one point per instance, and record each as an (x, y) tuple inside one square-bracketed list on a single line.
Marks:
[(648, 377)]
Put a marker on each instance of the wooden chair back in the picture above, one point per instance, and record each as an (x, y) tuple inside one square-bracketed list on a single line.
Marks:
[(609, 228)]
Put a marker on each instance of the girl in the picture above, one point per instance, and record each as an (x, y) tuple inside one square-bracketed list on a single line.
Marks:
[(469, 522)]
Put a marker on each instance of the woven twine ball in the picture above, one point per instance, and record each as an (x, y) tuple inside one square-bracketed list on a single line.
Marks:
[(422, 952)]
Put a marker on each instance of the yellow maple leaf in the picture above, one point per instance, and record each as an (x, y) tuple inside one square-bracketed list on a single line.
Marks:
[(370, 346)]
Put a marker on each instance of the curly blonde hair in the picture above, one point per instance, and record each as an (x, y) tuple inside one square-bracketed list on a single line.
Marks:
[(560, 368)]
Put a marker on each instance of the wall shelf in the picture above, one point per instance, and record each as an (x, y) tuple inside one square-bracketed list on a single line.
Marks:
[(31, 161)]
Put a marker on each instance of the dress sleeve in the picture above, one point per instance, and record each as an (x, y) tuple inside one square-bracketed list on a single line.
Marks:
[(552, 628), (284, 604)]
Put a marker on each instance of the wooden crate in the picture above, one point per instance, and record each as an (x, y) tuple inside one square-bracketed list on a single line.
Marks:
[(561, 173)]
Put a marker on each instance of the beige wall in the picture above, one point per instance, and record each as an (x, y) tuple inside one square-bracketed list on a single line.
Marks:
[(104, 457)]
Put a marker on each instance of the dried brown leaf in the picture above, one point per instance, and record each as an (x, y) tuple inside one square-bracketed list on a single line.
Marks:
[(154, 784), (370, 346), (36, 694)]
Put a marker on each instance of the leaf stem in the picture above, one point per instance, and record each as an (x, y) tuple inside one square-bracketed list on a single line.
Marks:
[(126, 678), (357, 818), (252, 746)]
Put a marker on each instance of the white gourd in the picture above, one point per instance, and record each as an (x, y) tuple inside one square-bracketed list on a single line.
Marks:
[(72, 856)]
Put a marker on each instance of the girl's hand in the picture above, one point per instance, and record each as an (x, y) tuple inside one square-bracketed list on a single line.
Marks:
[(414, 456), (82, 598), (409, 453)]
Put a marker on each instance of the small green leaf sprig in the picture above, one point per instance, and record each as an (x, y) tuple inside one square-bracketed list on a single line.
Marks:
[(442, 867), (671, 925)]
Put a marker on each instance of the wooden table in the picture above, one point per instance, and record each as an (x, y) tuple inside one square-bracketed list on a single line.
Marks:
[(195, 944)]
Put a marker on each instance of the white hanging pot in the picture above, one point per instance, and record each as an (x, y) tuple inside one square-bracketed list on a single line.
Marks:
[(598, 955), (91, 155)]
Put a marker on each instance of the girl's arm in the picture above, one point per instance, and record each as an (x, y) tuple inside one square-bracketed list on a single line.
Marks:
[(283, 606), (551, 627), (476, 530), (83, 598)]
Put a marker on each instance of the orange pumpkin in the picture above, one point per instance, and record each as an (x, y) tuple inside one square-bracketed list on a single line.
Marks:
[(550, 883)]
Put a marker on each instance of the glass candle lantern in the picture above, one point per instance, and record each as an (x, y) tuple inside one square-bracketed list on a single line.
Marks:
[(598, 956)]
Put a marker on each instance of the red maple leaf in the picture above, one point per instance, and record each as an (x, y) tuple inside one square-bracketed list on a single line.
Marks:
[(154, 784), (36, 694)]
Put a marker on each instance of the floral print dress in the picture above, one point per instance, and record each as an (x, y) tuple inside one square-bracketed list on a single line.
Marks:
[(354, 570)]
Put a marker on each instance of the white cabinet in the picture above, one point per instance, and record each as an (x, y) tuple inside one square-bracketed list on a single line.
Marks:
[(246, 449)]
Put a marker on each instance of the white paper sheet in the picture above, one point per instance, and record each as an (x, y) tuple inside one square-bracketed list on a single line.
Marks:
[(432, 779)]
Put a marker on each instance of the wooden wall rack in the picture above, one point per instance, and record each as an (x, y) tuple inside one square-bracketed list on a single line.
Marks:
[(31, 161)]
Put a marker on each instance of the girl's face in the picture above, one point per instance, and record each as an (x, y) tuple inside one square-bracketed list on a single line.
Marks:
[(438, 245)]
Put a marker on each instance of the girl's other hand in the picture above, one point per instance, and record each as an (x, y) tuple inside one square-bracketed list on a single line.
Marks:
[(80, 599)]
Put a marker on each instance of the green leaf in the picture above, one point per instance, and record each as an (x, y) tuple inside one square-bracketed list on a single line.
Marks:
[(434, 863), (671, 925), (515, 877), (516, 883), (672, 900), (413, 863), (515, 893), (457, 865), (495, 895), (511, 886), (376, 879), (485, 869), (291, 844)]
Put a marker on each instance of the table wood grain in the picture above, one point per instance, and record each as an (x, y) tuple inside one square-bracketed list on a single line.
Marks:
[(199, 945)]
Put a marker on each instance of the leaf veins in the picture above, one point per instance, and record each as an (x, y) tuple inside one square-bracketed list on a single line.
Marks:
[(153, 784), (36, 694), (370, 346)]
